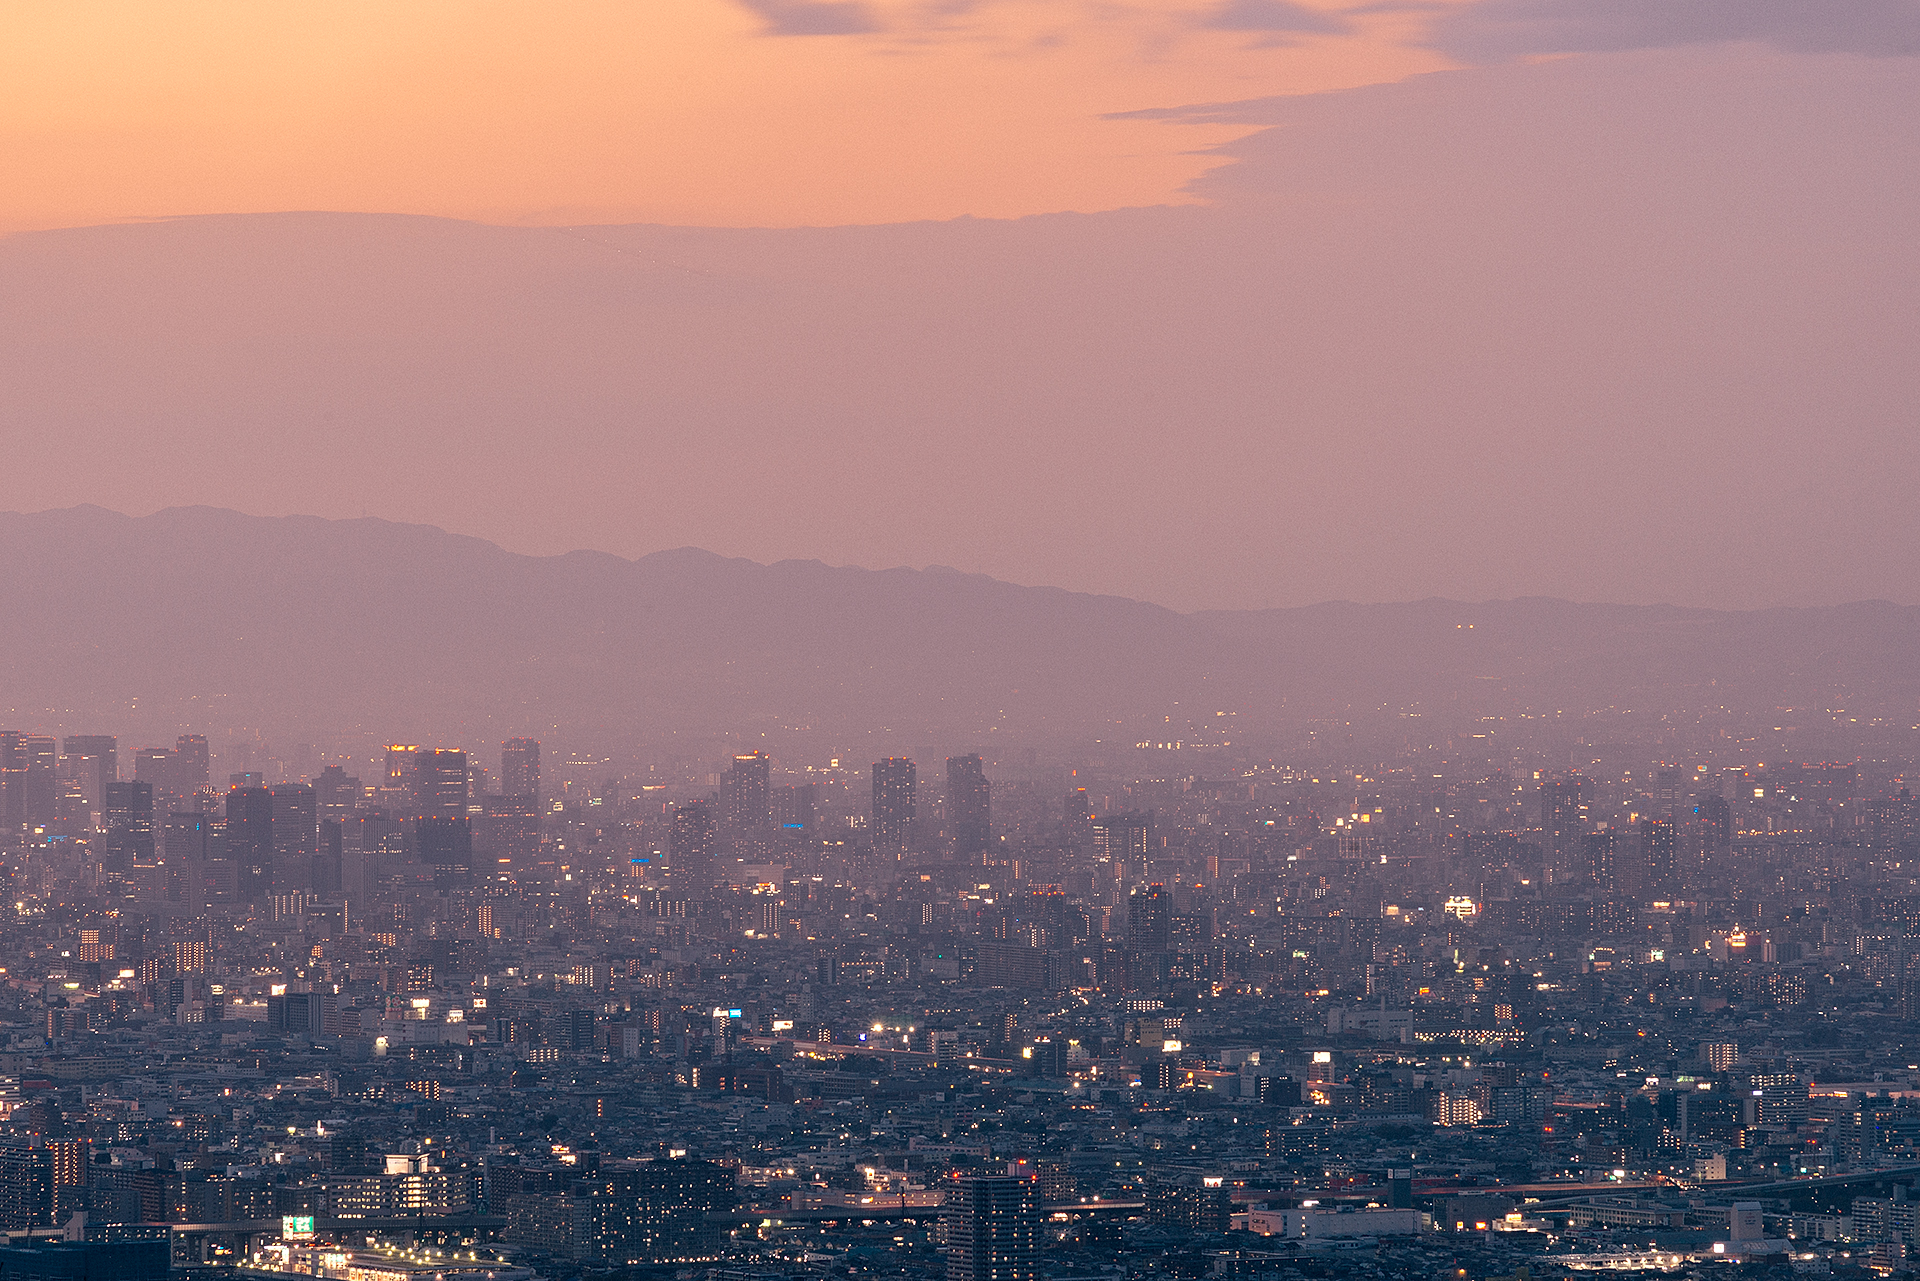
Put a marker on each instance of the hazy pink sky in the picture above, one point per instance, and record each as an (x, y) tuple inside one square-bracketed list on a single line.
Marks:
[(1620, 308), (723, 112)]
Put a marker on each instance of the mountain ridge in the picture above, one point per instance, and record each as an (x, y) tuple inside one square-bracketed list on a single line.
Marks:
[(232, 623)]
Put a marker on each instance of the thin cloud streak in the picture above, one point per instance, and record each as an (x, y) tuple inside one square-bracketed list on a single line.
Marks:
[(1502, 30), (815, 17)]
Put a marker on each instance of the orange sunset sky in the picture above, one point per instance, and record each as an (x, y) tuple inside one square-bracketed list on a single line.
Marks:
[(718, 112)]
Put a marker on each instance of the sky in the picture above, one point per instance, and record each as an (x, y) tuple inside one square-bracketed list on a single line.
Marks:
[(1604, 299), (710, 112)]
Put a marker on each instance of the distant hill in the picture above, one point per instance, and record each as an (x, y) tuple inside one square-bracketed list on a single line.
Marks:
[(214, 620)]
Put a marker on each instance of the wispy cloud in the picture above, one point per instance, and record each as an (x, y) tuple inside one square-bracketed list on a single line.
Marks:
[(1272, 15), (1497, 30), (814, 17)]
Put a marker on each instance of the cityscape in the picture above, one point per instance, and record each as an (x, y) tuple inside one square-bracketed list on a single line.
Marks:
[(959, 640), (507, 1012)]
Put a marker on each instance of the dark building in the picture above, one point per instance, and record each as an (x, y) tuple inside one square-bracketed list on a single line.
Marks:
[(513, 830), (520, 769), (1713, 820), (440, 783), (302, 1013), (969, 805), (652, 1212), (250, 842), (1149, 919), (1601, 850), (29, 781), (793, 808), (94, 759), (893, 802), (744, 805), (296, 831), (128, 819), (1657, 857), (27, 1181), (992, 1229), (335, 794), (445, 843), (690, 846), (1123, 838), (190, 761), (154, 766), (1195, 1209), (328, 858), (146, 1258), (1563, 820)]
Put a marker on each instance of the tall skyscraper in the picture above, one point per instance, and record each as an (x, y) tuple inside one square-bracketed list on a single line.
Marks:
[(893, 802), (190, 761), (440, 783), (793, 808), (128, 819), (1563, 822), (336, 794), (154, 766), (690, 846), (94, 759), (1714, 825), (969, 806), (1669, 791), (400, 791), (1657, 853), (446, 842), (992, 1227), (1149, 919), (744, 802), (29, 780), (296, 834), (520, 769), (250, 842), (1601, 858)]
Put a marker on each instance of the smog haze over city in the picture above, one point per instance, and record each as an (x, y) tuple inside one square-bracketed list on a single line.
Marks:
[(981, 640)]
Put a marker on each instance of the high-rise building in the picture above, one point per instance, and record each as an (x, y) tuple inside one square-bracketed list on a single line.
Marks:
[(992, 1229), (652, 1211), (1713, 819), (893, 802), (1600, 858), (512, 831), (154, 766), (1078, 819), (1149, 919), (250, 842), (440, 783), (93, 759), (969, 805), (446, 843), (1563, 822), (793, 808), (336, 794), (1657, 851), (190, 761), (1123, 838), (399, 790), (520, 769), (296, 832), (744, 801), (1669, 791), (128, 819), (690, 846), (29, 780), (327, 859)]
